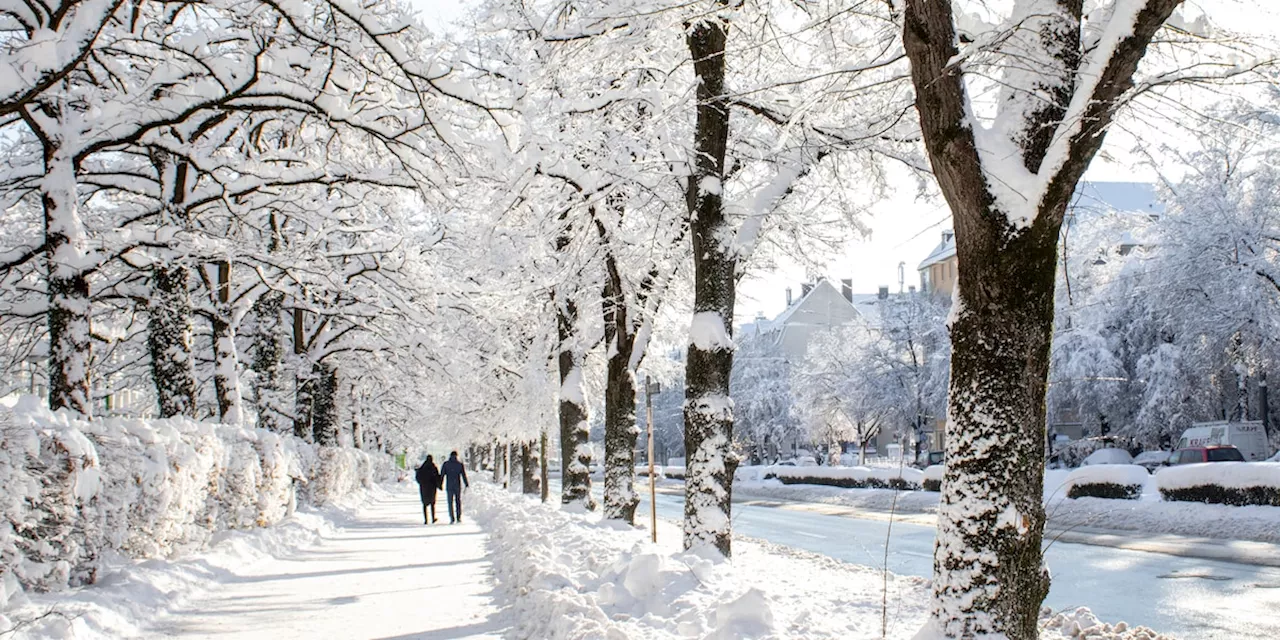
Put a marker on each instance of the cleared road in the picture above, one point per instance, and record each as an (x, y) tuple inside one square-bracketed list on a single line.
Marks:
[(1186, 597)]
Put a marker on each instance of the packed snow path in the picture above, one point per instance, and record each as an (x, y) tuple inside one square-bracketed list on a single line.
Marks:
[(383, 575)]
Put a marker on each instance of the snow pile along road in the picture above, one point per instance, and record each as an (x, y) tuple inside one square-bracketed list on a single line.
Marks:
[(575, 576)]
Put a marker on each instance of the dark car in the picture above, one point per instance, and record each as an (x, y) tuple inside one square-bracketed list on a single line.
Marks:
[(929, 459), (1192, 455)]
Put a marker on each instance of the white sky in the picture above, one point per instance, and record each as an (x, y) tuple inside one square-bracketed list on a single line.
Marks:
[(904, 229)]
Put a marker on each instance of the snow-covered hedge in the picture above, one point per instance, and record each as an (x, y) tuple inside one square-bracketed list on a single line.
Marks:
[(1234, 483), (851, 477), (933, 477), (673, 471), (1115, 481), (75, 491)]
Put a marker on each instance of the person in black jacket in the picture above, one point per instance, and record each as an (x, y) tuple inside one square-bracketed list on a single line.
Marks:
[(455, 476), (429, 481)]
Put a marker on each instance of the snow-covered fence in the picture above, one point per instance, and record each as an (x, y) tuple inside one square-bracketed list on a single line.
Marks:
[(1115, 481), (850, 477), (75, 491), (933, 477), (1233, 483)]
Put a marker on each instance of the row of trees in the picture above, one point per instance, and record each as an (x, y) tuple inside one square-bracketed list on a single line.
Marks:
[(229, 193)]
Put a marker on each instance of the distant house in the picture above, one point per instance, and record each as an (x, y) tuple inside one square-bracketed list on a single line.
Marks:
[(820, 307)]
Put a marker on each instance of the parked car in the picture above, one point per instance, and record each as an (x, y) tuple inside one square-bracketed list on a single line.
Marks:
[(1248, 437), (1107, 456), (1192, 455), (930, 458), (1152, 460), (800, 461)]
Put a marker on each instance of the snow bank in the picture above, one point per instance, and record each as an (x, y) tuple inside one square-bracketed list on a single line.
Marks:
[(933, 477), (1114, 481), (1233, 483), (854, 477), (1121, 474), (573, 576), (1235, 475), (78, 494)]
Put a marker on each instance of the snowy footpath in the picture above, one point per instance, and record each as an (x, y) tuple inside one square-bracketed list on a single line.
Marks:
[(382, 575), (369, 570)]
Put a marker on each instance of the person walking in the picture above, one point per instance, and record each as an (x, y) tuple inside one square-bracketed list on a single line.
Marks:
[(429, 480), (455, 478)]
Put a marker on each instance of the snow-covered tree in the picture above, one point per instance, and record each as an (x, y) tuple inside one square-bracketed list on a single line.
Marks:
[(1014, 103)]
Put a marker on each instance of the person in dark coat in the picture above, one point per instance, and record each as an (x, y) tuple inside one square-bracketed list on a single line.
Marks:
[(429, 481), (455, 478)]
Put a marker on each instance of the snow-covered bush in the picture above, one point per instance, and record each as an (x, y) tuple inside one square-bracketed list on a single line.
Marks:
[(933, 477), (76, 490), (1115, 481), (673, 472), (851, 477), (1233, 483)]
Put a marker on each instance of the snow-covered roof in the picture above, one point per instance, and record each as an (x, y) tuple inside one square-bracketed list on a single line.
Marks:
[(944, 250), (867, 305)]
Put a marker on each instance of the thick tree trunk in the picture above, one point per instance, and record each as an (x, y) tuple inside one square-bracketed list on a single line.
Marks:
[(530, 467), (708, 411), (620, 430), (226, 361), (305, 390), (324, 405), (304, 381), (542, 466), (170, 328), (169, 339), (268, 362), (575, 453), (66, 249), (989, 579)]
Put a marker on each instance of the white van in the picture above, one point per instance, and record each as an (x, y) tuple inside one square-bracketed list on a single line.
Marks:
[(1248, 437)]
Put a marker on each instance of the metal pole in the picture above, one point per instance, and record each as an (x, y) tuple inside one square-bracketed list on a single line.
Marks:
[(653, 483)]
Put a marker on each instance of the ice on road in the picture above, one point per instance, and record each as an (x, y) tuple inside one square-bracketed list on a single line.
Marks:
[(383, 575)]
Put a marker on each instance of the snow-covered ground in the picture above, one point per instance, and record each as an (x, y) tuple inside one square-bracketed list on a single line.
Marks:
[(368, 569)]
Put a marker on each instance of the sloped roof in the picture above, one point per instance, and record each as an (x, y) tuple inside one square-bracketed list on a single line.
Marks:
[(944, 250), (865, 304)]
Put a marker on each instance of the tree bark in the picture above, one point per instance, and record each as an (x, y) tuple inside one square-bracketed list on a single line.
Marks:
[(68, 316), (324, 405), (170, 329), (268, 362), (989, 577), (620, 430), (226, 361), (169, 339), (304, 381), (575, 454), (708, 412), (530, 468), (542, 466)]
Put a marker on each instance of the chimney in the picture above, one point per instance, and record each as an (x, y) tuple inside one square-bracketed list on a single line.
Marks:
[(883, 293), (788, 296), (805, 289), (846, 288)]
